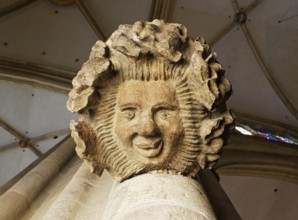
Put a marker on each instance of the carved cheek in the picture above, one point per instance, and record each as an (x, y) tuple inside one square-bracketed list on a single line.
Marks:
[(172, 125), (172, 131), (175, 131), (125, 130)]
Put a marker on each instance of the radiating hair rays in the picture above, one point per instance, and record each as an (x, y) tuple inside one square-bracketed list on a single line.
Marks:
[(151, 51)]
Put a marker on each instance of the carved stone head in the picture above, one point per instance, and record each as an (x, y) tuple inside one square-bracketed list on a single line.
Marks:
[(150, 99)]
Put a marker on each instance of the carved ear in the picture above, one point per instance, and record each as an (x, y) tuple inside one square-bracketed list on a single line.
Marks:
[(212, 132), (85, 139)]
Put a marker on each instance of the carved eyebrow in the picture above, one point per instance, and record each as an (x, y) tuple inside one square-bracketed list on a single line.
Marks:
[(128, 106), (165, 106)]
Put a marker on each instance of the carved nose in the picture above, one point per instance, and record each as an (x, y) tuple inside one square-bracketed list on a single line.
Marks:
[(147, 126)]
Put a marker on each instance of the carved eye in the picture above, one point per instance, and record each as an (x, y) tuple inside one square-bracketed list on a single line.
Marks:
[(164, 114), (128, 113)]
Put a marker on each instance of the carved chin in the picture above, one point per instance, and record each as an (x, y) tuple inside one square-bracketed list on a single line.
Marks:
[(149, 151)]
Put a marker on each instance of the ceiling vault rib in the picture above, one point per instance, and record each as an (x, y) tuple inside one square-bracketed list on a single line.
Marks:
[(260, 60), (235, 6), (50, 135), (27, 169), (262, 64), (24, 141), (222, 33), (230, 26), (34, 140), (95, 27), (10, 129), (8, 146), (163, 10), (266, 72), (34, 74), (15, 6), (34, 150)]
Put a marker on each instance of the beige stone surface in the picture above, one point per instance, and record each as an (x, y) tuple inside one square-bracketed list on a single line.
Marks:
[(150, 99), (73, 194), (151, 106), (20, 196), (50, 194), (84, 197), (158, 196)]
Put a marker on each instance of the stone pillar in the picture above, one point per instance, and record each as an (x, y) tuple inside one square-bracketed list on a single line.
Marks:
[(158, 196), (69, 203), (19, 197), (219, 200)]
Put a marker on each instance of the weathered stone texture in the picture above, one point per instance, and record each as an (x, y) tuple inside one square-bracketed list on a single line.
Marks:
[(157, 62), (158, 196)]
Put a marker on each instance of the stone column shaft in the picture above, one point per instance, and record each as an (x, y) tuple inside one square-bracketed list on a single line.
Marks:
[(19, 197), (219, 200)]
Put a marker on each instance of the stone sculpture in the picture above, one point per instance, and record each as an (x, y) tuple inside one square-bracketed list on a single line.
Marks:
[(150, 100)]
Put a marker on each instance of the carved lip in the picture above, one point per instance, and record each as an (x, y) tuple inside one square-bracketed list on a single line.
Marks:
[(148, 148)]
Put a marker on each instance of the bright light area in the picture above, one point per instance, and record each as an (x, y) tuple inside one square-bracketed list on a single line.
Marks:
[(243, 131)]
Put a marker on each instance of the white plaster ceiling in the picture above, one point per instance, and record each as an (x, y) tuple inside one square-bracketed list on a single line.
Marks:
[(32, 112), (276, 42), (44, 34), (48, 34), (258, 198)]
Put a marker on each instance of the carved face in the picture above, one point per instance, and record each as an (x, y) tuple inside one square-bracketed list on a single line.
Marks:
[(148, 125)]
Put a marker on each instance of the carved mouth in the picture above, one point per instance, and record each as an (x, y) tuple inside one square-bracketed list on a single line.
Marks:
[(148, 148)]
